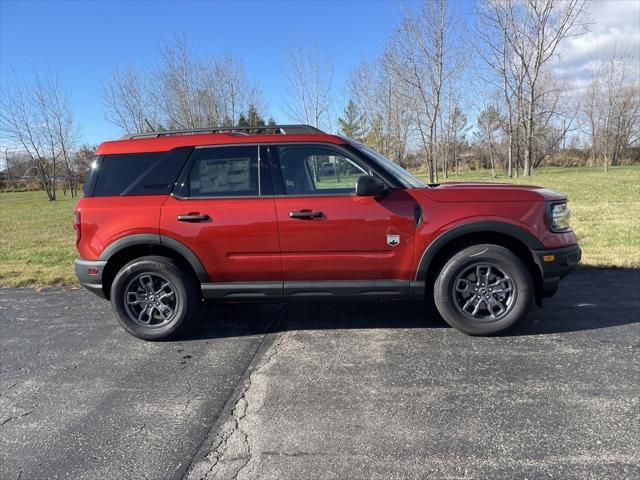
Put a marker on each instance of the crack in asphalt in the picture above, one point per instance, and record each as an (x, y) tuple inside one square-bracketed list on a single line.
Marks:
[(222, 452), (7, 389), (17, 417)]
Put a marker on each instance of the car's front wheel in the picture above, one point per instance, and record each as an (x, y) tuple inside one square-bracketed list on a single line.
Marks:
[(153, 297), (483, 289)]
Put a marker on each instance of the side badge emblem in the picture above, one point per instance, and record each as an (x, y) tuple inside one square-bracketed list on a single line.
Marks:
[(393, 240)]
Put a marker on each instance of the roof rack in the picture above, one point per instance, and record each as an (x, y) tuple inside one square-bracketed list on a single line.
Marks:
[(282, 129)]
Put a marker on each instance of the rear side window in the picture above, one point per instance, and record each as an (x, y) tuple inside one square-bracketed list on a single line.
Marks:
[(139, 173), (224, 172)]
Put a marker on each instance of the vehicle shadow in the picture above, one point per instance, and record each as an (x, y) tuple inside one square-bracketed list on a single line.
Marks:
[(223, 320), (583, 303)]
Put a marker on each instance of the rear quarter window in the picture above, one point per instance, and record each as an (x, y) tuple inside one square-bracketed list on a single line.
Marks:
[(92, 176), (138, 173)]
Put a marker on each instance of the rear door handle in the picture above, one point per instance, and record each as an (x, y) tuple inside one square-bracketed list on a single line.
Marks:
[(194, 217), (305, 214)]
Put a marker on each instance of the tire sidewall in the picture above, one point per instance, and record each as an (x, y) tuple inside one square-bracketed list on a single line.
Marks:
[(501, 258), (183, 290)]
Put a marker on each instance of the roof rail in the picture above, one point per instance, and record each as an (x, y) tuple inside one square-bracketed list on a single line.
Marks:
[(282, 129)]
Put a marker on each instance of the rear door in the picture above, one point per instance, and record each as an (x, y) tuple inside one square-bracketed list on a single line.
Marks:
[(327, 233), (223, 210)]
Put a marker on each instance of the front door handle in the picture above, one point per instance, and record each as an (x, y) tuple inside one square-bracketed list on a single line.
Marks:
[(194, 217), (305, 214)]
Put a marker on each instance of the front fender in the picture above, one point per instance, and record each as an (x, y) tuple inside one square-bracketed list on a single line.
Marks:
[(453, 232)]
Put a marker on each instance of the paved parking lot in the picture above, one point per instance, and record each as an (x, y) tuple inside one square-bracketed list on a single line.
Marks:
[(329, 390)]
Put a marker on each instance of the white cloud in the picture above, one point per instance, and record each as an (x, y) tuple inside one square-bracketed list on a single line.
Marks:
[(613, 24)]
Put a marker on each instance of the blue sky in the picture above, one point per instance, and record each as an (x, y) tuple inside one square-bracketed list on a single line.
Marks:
[(81, 41)]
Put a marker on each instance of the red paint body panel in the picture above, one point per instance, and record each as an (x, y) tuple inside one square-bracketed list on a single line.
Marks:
[(524, 209), (239, 243), (489, 192), (255, 239), (106, 219), (164, 144), (349, 240)]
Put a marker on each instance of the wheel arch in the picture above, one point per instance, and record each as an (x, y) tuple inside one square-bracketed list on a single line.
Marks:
[(507, 235), (125, 249)]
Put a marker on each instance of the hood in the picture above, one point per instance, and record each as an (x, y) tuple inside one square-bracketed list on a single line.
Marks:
[(490, 192)]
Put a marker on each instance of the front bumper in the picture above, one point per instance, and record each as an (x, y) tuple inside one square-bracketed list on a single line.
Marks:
[(555, 264), (89, 273)]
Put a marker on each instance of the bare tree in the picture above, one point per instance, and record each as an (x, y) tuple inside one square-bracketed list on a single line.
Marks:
[(421, 55), (183, 90), (56, 116), (236, 92), (520, 39), (388, 115), (178, 89), (308, 79), (612, 105), (487, 134), (21, 124), (125, 98), (506, 74), (452, 123)]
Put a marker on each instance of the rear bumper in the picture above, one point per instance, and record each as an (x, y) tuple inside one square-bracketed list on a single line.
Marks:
[(555, 264), (89, 273)]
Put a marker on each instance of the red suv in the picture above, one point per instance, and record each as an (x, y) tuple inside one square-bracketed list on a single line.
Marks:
[(170, 219)]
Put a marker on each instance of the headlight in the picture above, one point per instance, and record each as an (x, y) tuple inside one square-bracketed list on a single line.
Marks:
[(559, 217)]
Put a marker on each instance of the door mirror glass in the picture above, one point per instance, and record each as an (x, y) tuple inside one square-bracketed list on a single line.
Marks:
[(370, 186)]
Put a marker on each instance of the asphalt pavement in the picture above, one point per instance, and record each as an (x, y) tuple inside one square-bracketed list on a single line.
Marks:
[(323, 390)]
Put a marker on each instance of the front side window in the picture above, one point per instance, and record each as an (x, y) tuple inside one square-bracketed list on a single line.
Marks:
[(318, 170), (224, 172)]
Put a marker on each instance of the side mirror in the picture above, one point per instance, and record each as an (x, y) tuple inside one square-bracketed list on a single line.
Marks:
[(370, 186)]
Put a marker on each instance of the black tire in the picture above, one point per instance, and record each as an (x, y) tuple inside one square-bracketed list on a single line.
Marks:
[(498, 269), (165, 314)]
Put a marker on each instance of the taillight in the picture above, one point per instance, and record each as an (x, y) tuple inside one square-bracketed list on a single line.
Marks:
[(77, 226)]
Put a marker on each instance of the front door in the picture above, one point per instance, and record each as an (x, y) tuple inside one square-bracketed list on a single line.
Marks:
[(327, 233), (224, 211)]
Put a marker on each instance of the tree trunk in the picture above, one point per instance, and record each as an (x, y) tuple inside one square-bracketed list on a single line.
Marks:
[(528, 154)]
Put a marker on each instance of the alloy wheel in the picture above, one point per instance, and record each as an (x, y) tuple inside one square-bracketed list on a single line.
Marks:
[(150, 300), (484, 292)]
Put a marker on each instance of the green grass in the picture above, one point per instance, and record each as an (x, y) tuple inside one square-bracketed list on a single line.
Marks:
[(37, 243)]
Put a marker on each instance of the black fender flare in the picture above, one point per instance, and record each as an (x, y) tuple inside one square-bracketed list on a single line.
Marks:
[(160, 240), (483, 226)]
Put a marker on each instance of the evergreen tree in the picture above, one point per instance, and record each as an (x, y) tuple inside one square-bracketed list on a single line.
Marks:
[(253, 117), (242, 121), (375, 137), (352, 125)]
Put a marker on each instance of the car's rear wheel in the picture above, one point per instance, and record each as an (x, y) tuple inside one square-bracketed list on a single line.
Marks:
[(483, 289), (153, 297)]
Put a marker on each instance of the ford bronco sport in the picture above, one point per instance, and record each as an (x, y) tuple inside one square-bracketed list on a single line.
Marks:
[(169, 219)]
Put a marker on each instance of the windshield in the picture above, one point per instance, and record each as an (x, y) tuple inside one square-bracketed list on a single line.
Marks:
[(406, 178)]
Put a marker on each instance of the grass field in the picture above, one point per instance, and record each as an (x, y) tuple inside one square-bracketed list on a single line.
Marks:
[(37, 243)]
